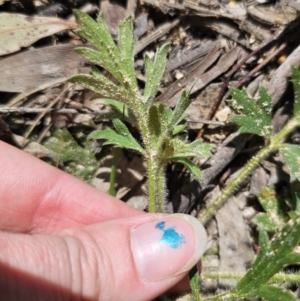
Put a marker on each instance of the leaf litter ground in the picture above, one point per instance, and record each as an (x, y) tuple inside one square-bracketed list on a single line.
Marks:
[(208, 41)]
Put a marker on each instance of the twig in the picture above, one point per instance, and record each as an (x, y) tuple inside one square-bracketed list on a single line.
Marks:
[(24, 110), (155, 35), (42, 114), (224, 87), (261, 65)]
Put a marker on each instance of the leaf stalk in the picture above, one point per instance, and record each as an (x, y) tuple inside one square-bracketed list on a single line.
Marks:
[(274, 145)]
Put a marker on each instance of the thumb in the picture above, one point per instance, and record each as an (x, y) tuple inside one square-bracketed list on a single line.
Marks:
[(133, 258)]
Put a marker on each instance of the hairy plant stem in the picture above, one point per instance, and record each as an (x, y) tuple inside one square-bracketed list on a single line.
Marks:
[(156, 181), (278, 278), (156, 178), (274, 144)]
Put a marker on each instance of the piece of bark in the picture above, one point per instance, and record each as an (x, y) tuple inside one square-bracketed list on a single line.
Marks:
[(259, 180), (114, 13), (223, 26), (257, 30), (155, 35), (271, 14), (177, 86), (191, 55), (130, 8), (200, 107), (225, 62), (140, 25), (191, 7), (279, 80)]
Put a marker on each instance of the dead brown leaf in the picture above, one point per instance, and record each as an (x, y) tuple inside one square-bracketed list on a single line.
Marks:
[(17, 31), (41, 67)]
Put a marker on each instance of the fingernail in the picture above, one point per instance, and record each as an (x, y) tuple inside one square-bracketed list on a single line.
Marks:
[(168, 246)]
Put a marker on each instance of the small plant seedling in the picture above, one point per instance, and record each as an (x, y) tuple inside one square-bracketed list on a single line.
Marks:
[(159, 126), (163, 140)]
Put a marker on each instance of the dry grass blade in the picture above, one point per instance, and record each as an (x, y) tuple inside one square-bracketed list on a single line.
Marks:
[(52, 103)]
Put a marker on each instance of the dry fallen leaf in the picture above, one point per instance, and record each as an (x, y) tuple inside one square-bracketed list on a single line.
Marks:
[(41, 67), (17, 31)]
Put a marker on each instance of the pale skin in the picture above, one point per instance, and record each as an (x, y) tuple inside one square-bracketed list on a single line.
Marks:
[(61, 239)]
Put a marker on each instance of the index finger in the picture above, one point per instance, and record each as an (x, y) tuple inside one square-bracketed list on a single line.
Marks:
[(36, 197)]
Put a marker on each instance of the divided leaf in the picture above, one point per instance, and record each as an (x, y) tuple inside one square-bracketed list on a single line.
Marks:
[(180, 128), (291, 154), (272, 257), (121, 137), (63, 145), (126, 46), (122, 111), (101, 85), (180, 151), (192, 167), (100, 59), (182, 105), (194, 149), (154, 73), (275, 208), (274, 293), (118, 61), (98, 34), (255, 116)]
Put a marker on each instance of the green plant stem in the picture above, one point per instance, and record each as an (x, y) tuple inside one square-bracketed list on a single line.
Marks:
[(113, 172), (151, 167), (155, 169), (278, 278), (155, 175), (274, 144), (156, 181)]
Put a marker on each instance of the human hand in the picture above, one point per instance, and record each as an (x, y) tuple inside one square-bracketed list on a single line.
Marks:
[(61, 239)]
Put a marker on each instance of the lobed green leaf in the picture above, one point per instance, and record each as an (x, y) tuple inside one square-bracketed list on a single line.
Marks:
[(255, 116), (100, 59), (178, 129), (101, 85), (195, 149), (98, 34), (182, 105), (122, 111), (272, 257), (119, 140), (275, 209), (154, 73), (291, 154), (193, 168), (126, 47), (273, 293)]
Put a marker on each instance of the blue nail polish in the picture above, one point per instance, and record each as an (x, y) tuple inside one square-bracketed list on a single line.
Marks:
[(170, 236)]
